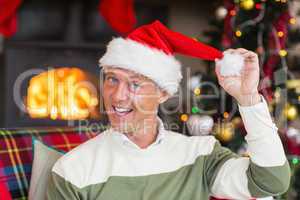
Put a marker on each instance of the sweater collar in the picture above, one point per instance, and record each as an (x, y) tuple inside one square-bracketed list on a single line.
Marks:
[(127, 142)]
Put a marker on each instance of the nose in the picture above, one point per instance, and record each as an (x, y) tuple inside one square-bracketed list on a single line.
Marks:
[(121, 93)]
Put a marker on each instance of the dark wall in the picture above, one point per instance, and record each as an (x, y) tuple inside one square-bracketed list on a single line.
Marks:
[(55, 33)]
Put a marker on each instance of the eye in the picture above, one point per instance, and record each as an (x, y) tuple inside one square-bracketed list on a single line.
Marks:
[(111, 80), (134, 86)]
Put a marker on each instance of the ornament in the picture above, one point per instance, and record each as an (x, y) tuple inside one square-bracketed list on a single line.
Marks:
[(282, 52), (224, 132), (195, 110), (184, 117), (8, 17), (295, 161), (293, 134), (290, 112), (194, 82), (200, 125), (292, 138), (292, 21), (277, 94), (232, 12), (231, 64), (236, 121), (247, 4), (258, 6), (293, 83), (260, 50), (119, 14), (238, 33), (294, 9), (221, 13), (225, 115), (197, 91), (226, 41), (280, 33)]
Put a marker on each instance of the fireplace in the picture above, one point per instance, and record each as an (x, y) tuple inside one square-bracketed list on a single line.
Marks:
[(56, 33)]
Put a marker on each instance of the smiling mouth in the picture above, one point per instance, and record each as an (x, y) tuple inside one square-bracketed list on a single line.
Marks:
[(122, 111)]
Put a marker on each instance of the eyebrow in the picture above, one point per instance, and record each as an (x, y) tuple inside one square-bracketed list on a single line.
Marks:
[(108, 73), (134, 76), (137, 76)]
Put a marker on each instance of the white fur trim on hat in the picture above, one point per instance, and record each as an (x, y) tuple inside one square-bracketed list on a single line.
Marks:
[(163, 69)]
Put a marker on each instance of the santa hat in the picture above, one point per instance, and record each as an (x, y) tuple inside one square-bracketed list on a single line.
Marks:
[(149, 50)]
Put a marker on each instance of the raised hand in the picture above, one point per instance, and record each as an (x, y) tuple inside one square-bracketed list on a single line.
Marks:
[(244, 87)]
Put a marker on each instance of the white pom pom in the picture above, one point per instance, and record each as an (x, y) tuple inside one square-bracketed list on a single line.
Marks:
[(231, 64), (200, 125)]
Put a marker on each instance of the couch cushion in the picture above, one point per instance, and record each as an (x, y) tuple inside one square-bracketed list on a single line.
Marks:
[(44, 158), (17, 156)]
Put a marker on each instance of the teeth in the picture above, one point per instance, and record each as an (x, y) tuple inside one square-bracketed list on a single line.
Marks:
[(121, 110)]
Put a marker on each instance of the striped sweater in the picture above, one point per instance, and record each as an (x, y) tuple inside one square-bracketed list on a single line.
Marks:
[(111, 167)]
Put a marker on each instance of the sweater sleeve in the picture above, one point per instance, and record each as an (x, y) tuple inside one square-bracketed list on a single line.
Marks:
[(60, 189), (265, 172)]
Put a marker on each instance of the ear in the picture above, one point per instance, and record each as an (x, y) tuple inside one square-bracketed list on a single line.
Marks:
[(163, 97)]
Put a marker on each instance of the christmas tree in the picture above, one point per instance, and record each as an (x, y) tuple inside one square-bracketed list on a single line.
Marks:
[(271, 29)]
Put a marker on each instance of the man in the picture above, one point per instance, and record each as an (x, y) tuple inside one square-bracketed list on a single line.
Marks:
[(138, 159)]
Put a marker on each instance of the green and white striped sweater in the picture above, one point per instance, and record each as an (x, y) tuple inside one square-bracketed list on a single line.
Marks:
[(174, 167)]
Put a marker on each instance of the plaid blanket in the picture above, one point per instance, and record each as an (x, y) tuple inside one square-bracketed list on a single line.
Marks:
[(16, 153)]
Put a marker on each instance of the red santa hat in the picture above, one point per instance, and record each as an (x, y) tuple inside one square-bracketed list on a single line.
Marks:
[(149, 50)]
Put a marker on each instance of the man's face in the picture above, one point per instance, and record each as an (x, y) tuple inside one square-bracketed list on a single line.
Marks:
[(130, 99)]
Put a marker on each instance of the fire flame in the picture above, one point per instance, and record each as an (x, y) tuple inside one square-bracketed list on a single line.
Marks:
[(64, 93)]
